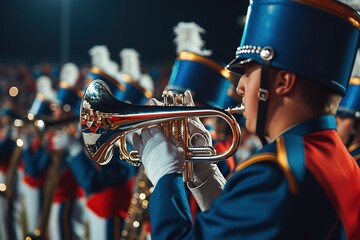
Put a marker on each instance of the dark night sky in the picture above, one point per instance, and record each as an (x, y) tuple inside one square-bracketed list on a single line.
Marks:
[(30, 29)]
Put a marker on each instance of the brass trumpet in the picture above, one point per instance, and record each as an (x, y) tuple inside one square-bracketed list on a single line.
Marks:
[(105, 120)]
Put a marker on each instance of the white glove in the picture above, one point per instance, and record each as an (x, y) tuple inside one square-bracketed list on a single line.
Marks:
[(160, 155), (200, 136), (63, 141)]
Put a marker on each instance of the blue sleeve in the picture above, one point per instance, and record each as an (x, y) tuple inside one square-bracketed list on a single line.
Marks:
[(35, 162), (170, 214), (250, 207), (94, 178)]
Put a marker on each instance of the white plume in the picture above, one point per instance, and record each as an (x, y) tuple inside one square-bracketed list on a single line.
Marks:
[(146, 82), (111, 68), (43, 86), (100, 56), (69, 74), (188, 38), (356, 68), (355, 4), (86, 105), (130, 62)]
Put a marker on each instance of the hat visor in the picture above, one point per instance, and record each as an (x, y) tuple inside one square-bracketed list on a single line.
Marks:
[(237, 65)]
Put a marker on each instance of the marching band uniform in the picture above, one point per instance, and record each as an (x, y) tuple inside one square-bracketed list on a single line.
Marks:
[(35, 155), (302, 185), (108, 191), (68, 205), (349, 108)]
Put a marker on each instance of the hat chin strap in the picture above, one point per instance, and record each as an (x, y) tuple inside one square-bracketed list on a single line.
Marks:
[(263, 95)]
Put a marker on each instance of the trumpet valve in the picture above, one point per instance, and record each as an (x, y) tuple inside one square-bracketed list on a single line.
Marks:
[(165, 97)]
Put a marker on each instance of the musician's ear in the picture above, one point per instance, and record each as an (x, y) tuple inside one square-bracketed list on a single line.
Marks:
[(284, 82)]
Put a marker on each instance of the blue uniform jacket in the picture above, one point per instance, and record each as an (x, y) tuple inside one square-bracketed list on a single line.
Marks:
[(94, 178), (303, 185)]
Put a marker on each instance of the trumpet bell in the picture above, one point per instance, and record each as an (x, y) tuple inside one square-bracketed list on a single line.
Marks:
[(106, 120)]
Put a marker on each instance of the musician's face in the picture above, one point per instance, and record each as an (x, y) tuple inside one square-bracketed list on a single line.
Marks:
[(248, 88), (345, 126)]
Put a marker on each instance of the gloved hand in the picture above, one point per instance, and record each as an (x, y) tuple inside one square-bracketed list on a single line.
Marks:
[(159, 154), (63, 141), (199, 136)]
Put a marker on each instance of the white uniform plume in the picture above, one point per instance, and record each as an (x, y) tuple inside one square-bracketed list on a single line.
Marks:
[(188, 38), (100, 57), (69, 74), (130, 62), (43, 86), (111, 68)]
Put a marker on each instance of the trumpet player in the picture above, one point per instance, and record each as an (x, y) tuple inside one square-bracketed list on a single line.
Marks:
[(61, 212), (34, 152), (67, 214), (348, 114), (303, 183)]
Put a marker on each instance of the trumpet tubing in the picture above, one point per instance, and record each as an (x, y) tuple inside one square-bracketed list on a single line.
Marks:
[(106, 120)]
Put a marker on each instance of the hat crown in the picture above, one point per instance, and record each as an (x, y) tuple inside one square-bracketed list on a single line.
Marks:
[(130, 62), (315, 39)]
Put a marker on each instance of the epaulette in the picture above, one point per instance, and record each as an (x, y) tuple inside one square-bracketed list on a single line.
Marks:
[(288, 153), (355, 151)]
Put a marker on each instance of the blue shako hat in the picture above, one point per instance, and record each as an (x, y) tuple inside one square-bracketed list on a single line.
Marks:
[(206, 79), (97, 73), (134, 93), (350, 104), (315, 39), (70, 98), (41, 107), (69, 92)]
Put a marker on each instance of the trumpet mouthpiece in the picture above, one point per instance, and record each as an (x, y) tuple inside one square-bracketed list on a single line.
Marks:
[(237, 109)]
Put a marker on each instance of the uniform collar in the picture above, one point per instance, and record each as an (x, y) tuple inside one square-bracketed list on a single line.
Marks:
[(325, 122)]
